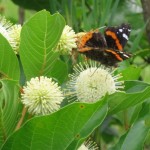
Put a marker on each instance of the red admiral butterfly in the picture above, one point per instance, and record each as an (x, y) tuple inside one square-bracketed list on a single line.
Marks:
[(107, 49)]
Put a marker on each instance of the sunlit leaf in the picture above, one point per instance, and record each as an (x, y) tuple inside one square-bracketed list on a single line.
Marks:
[(127, 75), (9, 66), (59, 70), (9, 107), (60, 130), (120, 101), (38, 37)]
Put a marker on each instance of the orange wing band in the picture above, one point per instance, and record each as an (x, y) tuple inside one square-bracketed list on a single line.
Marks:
[(113, 35), (84, 39), (85, 49), (114, 53)]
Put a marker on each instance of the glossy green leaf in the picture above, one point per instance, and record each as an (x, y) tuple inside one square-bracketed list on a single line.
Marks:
[(9, 108), (38, 37), (135, 86), (59, 70), (9, 66), (61, 130), (127, 75), (120, 101)]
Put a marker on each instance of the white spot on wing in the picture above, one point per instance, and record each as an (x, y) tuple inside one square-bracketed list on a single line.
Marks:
[(120, 30), (126, 55), (125, 36)]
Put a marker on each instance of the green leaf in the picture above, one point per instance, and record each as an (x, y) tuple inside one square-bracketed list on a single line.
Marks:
[(145, 111), (134, 139), (9, 108), (120, 101), (38, 37), (137, 39), (106, 6), (35, 4), (138, 131), (118, 145), (59, 70), (113, 11), (61, 130), (135, 113), (143, 52), (135, 86), (127, 75), (9, 66)]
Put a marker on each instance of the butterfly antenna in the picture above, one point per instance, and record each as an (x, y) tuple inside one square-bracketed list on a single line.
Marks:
[(101, 27), (96, 69)]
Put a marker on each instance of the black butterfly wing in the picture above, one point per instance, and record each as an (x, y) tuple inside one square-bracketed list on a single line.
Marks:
[(117, 37), (97, 41)]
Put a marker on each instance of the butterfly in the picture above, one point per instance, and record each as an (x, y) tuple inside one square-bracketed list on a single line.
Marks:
[(107, 48)]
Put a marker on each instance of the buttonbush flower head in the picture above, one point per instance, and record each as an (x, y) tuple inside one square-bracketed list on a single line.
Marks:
[(4, 26), (14, 34), (10, 32), (80, 35), (42, 96), (67, 41), (88, 145), (89, 83)]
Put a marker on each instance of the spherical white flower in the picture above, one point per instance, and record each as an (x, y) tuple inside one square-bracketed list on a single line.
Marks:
[(89, 83), (14, 34), (42, 96), (82, 147), (4, 26), (10, 32), (88, 145), (67, 41)]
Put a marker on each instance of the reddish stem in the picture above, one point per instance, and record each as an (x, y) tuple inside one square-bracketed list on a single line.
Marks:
[(22, 118)]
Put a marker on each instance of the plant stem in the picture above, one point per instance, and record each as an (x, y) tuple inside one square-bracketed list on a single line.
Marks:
[(24, 110), (74, 56), (126, 124), (21, 13)]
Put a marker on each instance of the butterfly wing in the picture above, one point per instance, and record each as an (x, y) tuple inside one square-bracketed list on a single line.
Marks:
[(117, 37), (106, 49), (96, 41), (91, 41)]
